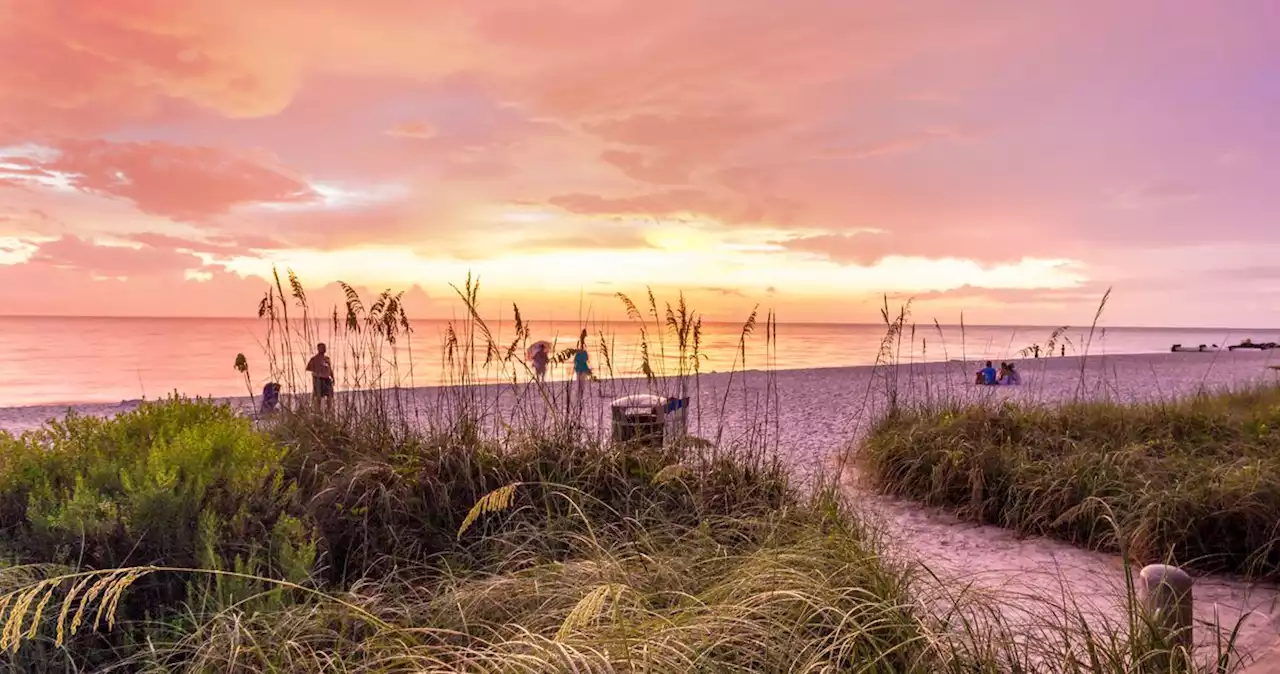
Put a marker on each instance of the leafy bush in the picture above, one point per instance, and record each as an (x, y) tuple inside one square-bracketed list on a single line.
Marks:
[(181, 483), (1195, 481)]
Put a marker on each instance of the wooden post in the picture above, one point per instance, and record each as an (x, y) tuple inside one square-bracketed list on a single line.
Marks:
[(1165, 592)]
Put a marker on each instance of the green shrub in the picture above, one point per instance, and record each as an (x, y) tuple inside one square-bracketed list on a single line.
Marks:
[(1195, 481), (180, 483)]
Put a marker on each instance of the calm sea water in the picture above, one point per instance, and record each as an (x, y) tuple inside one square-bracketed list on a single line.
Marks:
[(106, 360)]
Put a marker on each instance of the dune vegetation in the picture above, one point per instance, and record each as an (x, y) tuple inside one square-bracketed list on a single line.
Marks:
[(186, 536), (1194, 481)]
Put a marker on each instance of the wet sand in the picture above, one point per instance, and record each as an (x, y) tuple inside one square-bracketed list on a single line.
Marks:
[(812, 416)]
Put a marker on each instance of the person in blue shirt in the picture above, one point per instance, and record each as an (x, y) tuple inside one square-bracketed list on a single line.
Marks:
[(987, 375), (581, 364)]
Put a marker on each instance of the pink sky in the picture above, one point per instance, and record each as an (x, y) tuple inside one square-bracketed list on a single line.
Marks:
[(1006, 158)]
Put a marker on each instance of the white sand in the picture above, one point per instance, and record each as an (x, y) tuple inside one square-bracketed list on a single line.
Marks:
[(811, 415)]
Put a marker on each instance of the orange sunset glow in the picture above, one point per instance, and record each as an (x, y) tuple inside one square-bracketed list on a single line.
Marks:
[(1011, 160)]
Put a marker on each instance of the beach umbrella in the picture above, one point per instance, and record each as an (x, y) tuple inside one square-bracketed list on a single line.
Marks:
[(534, 347)]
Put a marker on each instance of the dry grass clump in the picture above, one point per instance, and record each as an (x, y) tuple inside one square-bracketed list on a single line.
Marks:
[(804, 589), (1194, 481), (788, 594), (380, 503)]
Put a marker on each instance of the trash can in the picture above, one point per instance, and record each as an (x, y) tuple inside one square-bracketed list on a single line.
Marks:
[(643, 418)]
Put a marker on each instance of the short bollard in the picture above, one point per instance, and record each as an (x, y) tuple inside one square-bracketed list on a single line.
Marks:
[(1166, 596)]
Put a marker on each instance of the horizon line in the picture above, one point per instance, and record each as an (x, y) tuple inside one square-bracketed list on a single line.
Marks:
[(627, 320)]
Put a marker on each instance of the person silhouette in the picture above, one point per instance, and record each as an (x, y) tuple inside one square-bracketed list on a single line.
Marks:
[(540, 359), (321, 370), (581, 364), (987, 375)]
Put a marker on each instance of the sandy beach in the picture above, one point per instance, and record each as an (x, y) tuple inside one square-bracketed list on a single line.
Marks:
[(810, 416)]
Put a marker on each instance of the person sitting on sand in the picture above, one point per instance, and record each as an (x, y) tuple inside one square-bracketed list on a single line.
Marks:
[(1010, 376), (1002, 372), (270, 399), (987, 375), (321, 370)]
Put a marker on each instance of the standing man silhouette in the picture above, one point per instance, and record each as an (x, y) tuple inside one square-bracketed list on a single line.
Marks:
[(321, 370)]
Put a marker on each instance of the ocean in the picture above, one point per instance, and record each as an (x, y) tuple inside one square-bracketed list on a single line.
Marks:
[(56, 361)]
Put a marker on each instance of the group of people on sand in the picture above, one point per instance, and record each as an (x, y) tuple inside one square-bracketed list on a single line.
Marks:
[(540, 355), (321, 369), (1035, 350), (1007, 375)]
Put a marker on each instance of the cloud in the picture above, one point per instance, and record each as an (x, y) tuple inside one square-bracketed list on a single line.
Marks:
[(27, 222), (657, 204), (70, 252), (1250, 273), (402, 222), (74, 273), (85, 68), (22, 171), (324, 299), (897, 145), (726, 292), (1087, 293), (699, 134), (678, 203), (1169, 189), (417, 130), (608, 239), (73, 291), (221, 245), (743, 179), (870, 247), (181, 182), (639, 167), (1161, 192)]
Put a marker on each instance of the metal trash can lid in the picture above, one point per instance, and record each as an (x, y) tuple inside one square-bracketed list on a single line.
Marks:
[(645, 400)]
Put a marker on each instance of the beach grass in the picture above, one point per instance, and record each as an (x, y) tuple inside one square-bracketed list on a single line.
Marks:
[(660, 559), (1193, 481), (368, 537)]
